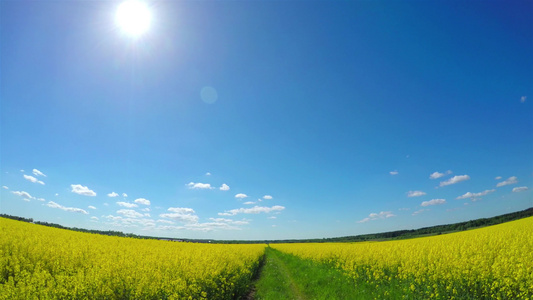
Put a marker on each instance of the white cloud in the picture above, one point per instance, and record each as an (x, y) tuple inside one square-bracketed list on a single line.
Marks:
[(433, 202), (38, 173), (199, 185), (523, 99), (130, 220), (230, 221), (394, 172), (216, 224), (82, 190), (40, 199), (112, 195), (181, 210), (436, 175), (129, 213), (181, 214), (415, 193), (142, 201), (5, 187), (207, 174), (510, 180), (253, 210), (124, 195), (249, 202), (165, 221), (52, 204), (419, 211), (91, 207), (497, 177), (25, 195), (520, 189), (94, 218), (454, 180), (377, 216), (224, 187), (146, 209), (241, 196), (475, 195), (267, 197), (32, 179), (127, 204)]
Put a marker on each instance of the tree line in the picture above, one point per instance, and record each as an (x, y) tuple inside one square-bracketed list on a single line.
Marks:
[(391, 235)]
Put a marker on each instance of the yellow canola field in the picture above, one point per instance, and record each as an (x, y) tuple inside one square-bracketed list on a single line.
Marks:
[(38, 262), (494, 262)]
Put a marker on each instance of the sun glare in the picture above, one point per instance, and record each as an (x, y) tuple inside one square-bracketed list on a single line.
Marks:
[(133, 17)]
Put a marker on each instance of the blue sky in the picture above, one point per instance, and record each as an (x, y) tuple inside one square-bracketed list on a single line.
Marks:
[(266, 119)]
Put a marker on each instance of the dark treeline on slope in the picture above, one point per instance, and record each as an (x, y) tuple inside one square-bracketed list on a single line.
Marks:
[(399, 234), (407, 234), (102, 232)]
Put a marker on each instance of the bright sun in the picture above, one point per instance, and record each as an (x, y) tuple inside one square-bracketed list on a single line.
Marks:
[(133, 17)]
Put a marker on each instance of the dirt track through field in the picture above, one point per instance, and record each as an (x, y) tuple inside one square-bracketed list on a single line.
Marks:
[(284, 271)]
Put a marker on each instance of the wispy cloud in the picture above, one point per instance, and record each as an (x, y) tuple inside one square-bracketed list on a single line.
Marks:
[(208, 174), (124, 195), (475, 195), (32, 179), (415, 193), (454, 180), (249, 202), (181, 214), (199, 185), (523, 99), (510, 180), (520, 189), (25, 195), (224, 187), (230, 221), (82, 190), (142, 201), (497, 177), (53, 204), (436, 175), (433, 202), (253, 210), (112, 195), (129, 213), (165, 221), (91, 207), (216, 224), (419, 211), (5, 187), (241, 196), (394, 172), (38, 173), (127, 204), (130, 218), (377, 216)]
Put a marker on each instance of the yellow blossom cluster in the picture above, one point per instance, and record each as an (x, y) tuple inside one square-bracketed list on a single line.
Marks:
[(494, 262), (38, 262)]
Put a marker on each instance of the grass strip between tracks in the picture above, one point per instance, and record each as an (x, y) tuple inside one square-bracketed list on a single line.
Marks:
[(285, 276)]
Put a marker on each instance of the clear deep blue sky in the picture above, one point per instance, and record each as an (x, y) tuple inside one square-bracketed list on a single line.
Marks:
[(318, 118)]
